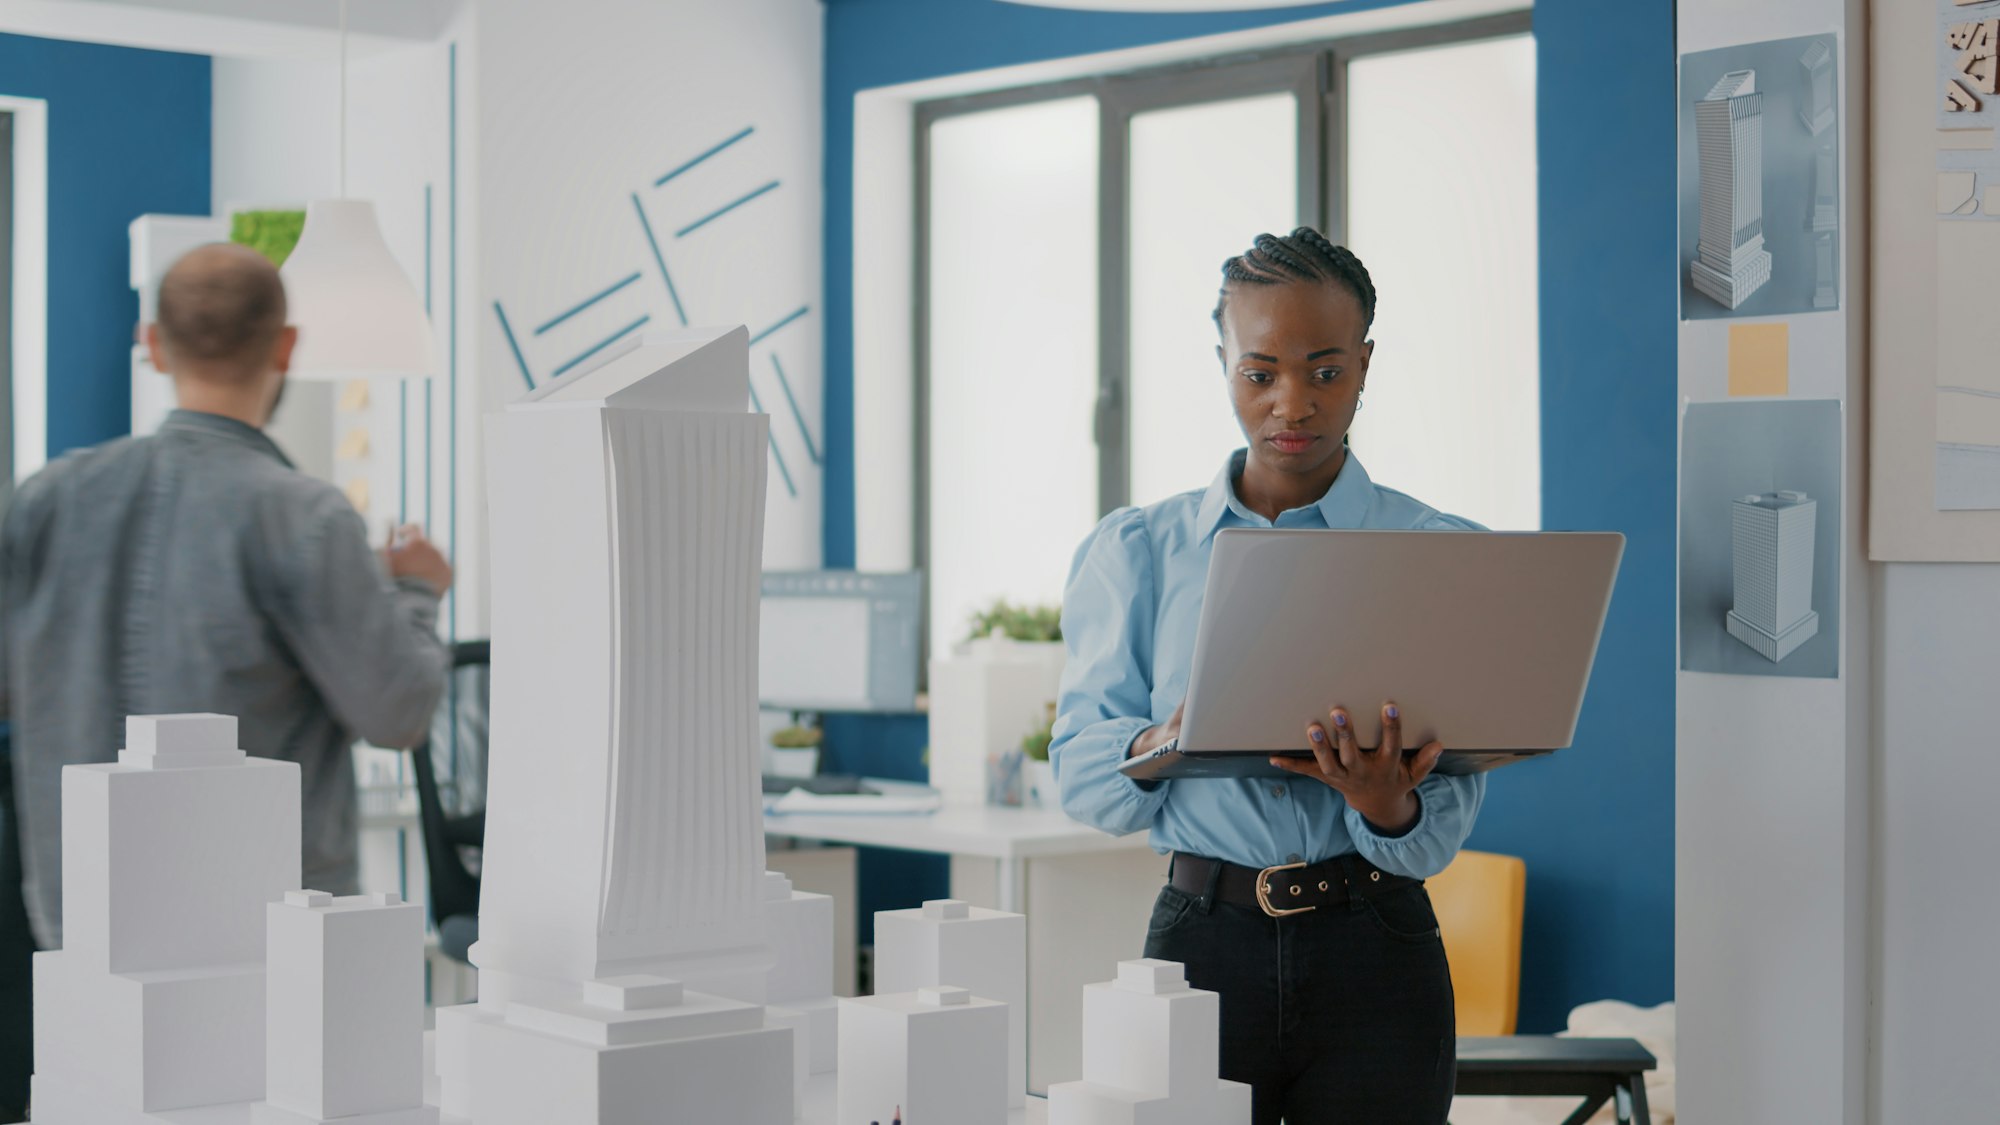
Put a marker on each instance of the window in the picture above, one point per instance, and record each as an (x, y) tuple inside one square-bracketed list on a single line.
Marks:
[(1069, 239)]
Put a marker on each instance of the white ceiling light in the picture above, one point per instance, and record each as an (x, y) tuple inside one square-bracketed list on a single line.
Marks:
[(356, 311), (1168, 5)]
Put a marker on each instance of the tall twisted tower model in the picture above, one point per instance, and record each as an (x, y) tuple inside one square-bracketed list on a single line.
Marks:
[(1731, 262), (624, 849)]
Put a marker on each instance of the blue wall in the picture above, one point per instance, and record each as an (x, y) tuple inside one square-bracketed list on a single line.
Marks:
[(1594, 823), (128, 135)]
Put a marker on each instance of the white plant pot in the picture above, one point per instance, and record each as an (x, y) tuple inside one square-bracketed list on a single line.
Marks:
[(984, 699), (1038, 785), (793, 762)]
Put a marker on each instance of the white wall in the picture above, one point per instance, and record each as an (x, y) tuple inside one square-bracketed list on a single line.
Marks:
[(581, 108), (1938, 905)]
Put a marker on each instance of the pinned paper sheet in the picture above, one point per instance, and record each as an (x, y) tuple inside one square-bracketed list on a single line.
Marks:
[(1760, 359), (354, 446), (1954, 192), (354, 395), (357, 494)]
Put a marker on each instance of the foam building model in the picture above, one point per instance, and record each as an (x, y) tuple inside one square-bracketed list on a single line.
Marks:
[(1816, 110), (344, 997), (1772, 544), (799, 927), (624, 848), (937, 1055), (156, 1003), (1731, 262), (1151, 1051), (950, 944)]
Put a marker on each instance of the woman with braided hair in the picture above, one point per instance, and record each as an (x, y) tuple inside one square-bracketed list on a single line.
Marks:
[(1341, 1013)]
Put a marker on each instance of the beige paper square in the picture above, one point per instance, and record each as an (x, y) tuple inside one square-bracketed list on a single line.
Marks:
[(1760, 361)]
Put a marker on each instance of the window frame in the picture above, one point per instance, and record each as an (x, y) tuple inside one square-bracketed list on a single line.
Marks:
[(1316, 72)]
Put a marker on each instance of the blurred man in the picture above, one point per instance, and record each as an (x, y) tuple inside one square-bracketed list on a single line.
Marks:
[(196, 570)]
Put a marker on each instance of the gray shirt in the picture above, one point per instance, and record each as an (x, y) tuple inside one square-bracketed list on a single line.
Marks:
[(196, 570)]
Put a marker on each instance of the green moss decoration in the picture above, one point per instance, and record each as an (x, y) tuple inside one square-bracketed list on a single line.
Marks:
[(270, 233), (1019, 622), (795, 738)]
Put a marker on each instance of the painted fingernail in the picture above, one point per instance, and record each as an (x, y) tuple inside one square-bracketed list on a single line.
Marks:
[(1393, 713), (1339, 719), (1318, 735)]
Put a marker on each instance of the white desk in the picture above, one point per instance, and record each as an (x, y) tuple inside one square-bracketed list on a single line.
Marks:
[(1010, 836), (1087, 897)]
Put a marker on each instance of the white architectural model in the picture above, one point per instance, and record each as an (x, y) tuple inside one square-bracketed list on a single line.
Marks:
[(1731, 261), (1816, 87), (624, 848), (1151, 1050), (948, 943), (936, 1056), (799, 927), (1772, 536), (344, 993), (170, 856)]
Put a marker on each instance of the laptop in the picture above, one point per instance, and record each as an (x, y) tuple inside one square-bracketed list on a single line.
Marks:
[(1484, 640)]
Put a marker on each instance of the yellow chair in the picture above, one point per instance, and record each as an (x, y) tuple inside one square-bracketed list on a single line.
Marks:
[(1479, 900)]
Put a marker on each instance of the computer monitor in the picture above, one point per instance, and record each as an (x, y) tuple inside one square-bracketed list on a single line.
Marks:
[(839, 640)]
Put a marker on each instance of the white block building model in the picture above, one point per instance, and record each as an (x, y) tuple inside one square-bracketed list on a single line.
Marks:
[(1731, 262), (1151, 1050), (936, 1056), (624, 847), (344, 1003), (1772, 541), (948, 943), (170, 856)]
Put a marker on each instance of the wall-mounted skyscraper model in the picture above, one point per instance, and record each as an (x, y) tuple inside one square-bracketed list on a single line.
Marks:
[(1731, 262), (170, 855), (1816, 87), (1151, 1051), (1772, 536), (624, 845)]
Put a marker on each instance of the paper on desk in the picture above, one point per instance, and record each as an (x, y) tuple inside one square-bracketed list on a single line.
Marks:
[(802, 802)]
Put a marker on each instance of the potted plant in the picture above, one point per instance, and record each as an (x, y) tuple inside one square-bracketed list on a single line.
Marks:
[(1038, 775), (795, 750)]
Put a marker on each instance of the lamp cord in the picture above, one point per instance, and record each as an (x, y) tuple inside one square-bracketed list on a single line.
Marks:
[(343, 99)]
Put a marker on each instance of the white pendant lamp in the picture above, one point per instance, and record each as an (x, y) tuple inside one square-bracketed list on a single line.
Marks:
[(356, 311)]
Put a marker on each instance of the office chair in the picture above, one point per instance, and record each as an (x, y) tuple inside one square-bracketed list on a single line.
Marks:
[(453, 812), (1479, 900)]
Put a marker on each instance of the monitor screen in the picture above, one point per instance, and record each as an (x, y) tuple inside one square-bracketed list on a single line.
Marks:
[(839, 641)]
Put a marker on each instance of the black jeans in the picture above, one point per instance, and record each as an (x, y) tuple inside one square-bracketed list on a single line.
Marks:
[(1341, 1016)]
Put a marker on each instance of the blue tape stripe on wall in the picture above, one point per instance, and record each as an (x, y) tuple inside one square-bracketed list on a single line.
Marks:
[(514, 345), (757, 405), (149, 112), (724, 210), (1600, 894), (659, 259), (788, 318), (601, 345), (705, 154), (805, 431), (587, 302)]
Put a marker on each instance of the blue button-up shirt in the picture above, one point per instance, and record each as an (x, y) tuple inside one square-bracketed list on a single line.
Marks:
[(1129, 616)]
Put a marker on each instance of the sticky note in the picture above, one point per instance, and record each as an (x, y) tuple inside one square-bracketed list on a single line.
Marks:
[(1965, 140), (357, 494), (354, 395), (354, 446), (1760, 361)]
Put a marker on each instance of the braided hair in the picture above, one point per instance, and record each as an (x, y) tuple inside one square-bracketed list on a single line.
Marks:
[(1303, 255)]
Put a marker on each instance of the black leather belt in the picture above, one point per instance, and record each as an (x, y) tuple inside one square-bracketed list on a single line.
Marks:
[(1290, 888)]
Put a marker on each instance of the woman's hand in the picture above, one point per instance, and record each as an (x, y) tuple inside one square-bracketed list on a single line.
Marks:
[(1380, 783), (1152, 738)]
